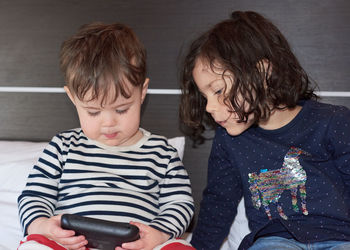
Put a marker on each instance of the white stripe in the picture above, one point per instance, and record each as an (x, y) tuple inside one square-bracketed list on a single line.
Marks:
[(138, 195), (333, 93), (32, 89), (61, 90), (150, 91), (164, 91)]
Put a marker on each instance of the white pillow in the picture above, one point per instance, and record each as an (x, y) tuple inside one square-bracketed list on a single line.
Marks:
[(179, 144), (239, 229), (16, 160)]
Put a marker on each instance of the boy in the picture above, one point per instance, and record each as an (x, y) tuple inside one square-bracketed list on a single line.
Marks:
[(109, 168)]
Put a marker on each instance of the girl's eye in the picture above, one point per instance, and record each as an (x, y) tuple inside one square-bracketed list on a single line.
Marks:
[(121, 111), (94, 113), (218, 92)]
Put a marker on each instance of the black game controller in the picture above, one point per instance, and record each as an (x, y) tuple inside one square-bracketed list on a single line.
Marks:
[(101, 234)]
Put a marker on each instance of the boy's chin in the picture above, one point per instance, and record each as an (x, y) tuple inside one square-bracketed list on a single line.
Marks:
[(107, 142), (111, 143)]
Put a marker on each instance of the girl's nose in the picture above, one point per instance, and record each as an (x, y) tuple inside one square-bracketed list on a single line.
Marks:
[(211, 106)]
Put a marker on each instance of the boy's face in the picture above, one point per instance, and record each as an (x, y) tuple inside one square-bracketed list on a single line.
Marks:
[(214, 89), (117, 122)]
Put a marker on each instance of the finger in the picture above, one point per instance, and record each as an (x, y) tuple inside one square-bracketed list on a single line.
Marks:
[(138, 224), (142, 227), (78, 246), (74, 242), (138, 244), (62, 233), (57, 219)]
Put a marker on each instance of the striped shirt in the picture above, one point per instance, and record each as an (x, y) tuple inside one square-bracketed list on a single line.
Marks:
[(145, 182)]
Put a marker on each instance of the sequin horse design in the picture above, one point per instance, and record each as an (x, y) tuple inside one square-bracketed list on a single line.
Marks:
[(268, 186)]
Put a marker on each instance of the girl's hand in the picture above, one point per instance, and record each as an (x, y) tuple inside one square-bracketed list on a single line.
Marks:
[(51, 228), (149, 238)]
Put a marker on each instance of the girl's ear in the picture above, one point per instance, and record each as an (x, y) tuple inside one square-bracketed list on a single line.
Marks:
[(70, 95), (144, 89), (264, 66)]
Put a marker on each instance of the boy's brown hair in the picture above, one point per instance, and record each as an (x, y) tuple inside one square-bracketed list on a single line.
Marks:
[(100, 56)]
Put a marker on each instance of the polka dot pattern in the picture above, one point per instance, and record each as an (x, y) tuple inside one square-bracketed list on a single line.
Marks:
[(323, 131)]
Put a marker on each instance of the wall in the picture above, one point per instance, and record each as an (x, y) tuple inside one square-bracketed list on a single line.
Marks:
[(32, 32)]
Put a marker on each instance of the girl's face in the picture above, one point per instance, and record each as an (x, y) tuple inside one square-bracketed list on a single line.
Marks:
[(214, 89), (116, 123)]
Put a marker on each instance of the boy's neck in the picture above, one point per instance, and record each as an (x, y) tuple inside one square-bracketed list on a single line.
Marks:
[(280, 118)]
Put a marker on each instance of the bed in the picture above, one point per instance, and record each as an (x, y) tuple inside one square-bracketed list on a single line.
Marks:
[(16, 160)]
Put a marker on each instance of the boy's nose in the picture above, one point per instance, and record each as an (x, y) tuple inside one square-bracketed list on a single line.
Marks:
[(109, 120)]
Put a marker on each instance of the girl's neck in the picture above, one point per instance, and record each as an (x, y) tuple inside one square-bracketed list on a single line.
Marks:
[(279, 118)]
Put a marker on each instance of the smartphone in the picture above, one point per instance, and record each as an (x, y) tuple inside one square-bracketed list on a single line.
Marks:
[(101, 234)]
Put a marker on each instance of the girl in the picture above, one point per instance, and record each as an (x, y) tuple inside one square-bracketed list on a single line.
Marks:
[(285, 153)]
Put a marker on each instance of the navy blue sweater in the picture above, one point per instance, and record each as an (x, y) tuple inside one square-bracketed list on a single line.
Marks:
[(295, 180)]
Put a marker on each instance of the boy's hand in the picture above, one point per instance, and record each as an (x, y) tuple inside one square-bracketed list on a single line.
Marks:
[(51, 228), (149, 238)]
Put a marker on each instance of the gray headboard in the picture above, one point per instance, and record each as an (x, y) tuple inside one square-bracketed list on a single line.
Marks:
[(32, 32)]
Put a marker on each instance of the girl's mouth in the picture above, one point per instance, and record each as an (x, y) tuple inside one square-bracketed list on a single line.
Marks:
[(221, 123), (224, 122)]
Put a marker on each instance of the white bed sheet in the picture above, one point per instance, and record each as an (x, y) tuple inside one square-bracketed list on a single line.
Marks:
[(16, 160)]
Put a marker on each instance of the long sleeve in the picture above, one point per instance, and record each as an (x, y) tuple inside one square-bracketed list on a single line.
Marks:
[(175, 200), (145, 182), (220, 197), (339, 144), (39, 197), (322, 203)]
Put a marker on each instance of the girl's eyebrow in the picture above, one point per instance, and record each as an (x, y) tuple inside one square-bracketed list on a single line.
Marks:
[(214, 82), (208, 86)]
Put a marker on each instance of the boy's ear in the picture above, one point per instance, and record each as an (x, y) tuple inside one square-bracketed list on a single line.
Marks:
[(144, 89), (71, 97)]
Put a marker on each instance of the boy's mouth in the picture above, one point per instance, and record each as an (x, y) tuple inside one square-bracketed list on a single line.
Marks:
[(111, 136)]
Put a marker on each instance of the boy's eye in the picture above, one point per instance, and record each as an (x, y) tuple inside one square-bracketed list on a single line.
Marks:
[(122, 111), (94, 113)]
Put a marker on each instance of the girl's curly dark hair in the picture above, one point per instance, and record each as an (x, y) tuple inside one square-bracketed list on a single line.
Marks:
[(266, 73)]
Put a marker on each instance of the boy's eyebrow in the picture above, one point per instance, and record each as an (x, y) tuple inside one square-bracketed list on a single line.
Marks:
[(115, 107)]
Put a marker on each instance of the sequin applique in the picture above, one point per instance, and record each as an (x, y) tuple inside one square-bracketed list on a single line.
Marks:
[(268, 186)]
